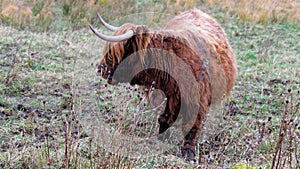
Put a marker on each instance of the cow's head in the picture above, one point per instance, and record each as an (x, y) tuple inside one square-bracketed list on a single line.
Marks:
[(126, 40)]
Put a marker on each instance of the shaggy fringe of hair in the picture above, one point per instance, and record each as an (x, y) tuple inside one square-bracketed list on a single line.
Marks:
[(196, 38)]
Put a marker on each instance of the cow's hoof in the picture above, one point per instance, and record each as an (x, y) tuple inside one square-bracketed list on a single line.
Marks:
[(188, 153)]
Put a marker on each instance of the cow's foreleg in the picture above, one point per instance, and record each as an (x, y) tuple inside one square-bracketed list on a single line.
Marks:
[(169, 116)]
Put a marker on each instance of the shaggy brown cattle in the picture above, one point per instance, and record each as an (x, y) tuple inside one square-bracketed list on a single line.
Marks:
[(201, 46)]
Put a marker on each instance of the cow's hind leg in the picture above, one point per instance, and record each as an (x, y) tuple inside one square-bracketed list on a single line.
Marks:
[(189, 143), (190, 139)]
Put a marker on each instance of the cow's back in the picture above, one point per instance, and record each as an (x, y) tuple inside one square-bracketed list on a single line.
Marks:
[(208, 28)]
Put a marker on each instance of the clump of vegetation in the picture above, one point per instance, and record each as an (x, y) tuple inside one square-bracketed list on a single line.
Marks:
[(31, 15), (15, 13)]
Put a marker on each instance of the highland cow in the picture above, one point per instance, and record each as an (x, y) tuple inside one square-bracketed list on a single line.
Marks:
[(198, 41)]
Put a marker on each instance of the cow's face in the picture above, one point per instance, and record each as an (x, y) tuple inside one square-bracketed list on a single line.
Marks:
[(106, 70), (114, 54), (118, 63)]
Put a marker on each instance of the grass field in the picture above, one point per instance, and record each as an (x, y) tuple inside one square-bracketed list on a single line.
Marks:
[(49, 87)]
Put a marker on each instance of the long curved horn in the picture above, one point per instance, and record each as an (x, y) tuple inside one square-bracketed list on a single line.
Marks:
[(108, 26), (117, 38)]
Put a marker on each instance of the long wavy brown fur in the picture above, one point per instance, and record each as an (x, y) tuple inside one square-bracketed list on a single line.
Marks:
[(192, 38)]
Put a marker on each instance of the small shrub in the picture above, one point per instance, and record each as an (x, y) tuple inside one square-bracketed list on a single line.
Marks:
[(37, 8), (45, 16)]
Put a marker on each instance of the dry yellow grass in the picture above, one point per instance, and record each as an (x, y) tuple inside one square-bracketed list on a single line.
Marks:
[(21, 13), (45, 16), (17, 11), (261, 11)]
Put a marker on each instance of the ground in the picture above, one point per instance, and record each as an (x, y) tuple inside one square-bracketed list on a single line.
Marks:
[(49, 87)]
